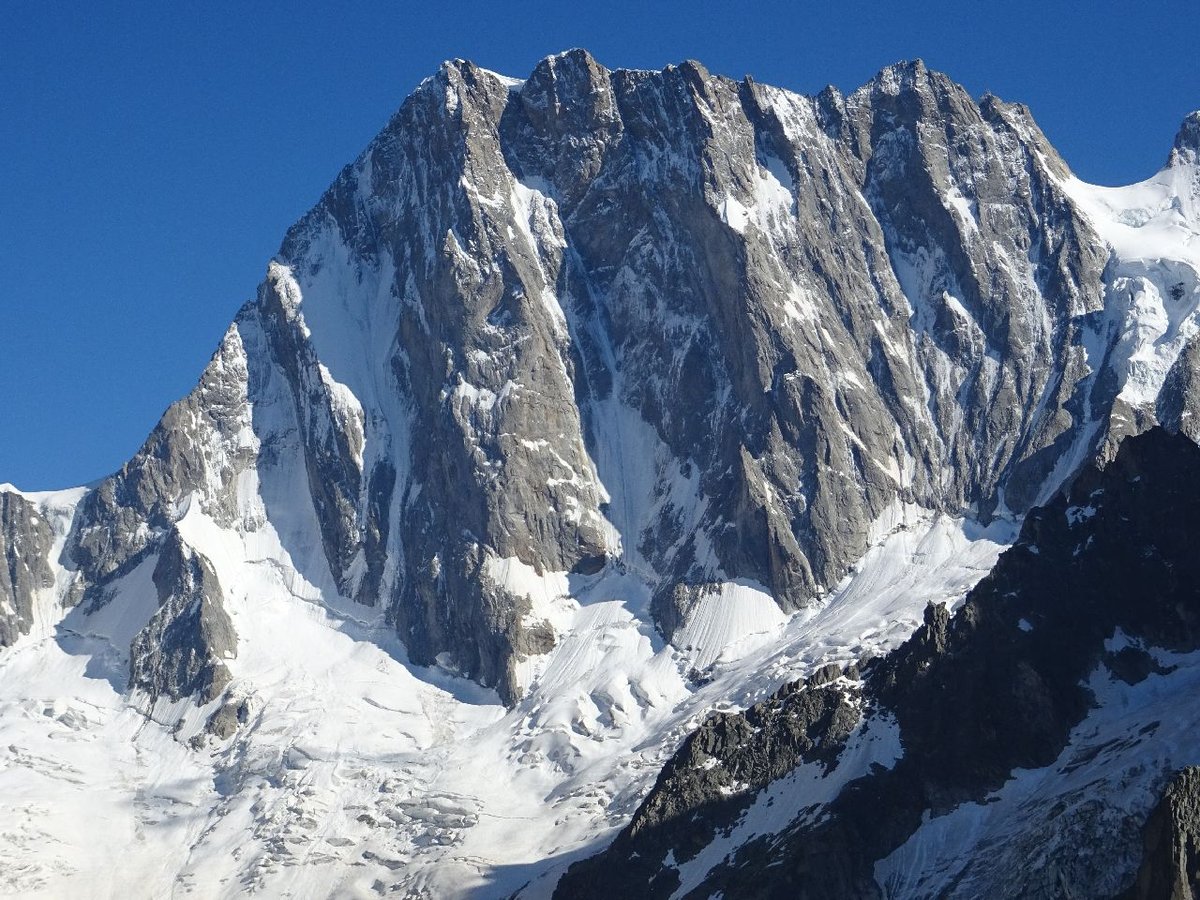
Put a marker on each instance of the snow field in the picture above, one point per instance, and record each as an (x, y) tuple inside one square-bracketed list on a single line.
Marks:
[(356, 769)]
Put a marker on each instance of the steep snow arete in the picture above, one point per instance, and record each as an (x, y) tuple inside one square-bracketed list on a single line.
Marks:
[(577, 407)]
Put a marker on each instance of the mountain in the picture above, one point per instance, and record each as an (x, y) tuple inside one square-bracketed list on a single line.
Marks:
[(1013, 750), (577, 407)]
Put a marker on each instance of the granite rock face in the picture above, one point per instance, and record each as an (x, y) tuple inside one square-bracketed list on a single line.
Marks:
[(1171, 866), (26, 565), (1100, 594), (180, 651), (699, 329), (708, 329)]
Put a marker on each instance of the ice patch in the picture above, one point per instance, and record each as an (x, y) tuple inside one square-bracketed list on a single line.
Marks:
[(1077, 514), (965, 209), (771, 199), (727, 622), (734, 214)]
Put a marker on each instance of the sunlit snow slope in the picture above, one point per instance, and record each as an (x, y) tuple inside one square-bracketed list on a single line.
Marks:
[(356, 768)]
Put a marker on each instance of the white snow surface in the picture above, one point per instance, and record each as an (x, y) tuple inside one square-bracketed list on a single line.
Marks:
[(359, 771), (1153, 277)]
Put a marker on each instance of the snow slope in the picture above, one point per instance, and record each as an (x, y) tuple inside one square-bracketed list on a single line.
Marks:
[(358, 771), (1153, 277)]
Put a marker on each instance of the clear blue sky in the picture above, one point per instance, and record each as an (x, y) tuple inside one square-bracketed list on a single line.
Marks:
[(152, 154)]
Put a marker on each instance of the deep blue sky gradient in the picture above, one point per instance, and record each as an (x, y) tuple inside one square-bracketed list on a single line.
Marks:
[(152, 154)]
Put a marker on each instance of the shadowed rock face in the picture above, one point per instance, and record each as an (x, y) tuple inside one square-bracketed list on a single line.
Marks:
[(977, 697), (700, 328), (705, 787), (1179, 402), (1171, 866)]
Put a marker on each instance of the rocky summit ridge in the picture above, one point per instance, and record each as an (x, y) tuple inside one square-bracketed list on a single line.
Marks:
[(683, 344)]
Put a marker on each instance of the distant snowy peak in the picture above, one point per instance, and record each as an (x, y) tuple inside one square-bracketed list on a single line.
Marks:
[(1147, 338), (1158, 218)]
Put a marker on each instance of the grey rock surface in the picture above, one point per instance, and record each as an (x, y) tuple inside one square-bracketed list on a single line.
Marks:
[(228, 717), (181, 651), (26, 539), (1170, 869)]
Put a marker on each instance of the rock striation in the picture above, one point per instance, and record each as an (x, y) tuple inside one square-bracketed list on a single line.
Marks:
[(27, 540)]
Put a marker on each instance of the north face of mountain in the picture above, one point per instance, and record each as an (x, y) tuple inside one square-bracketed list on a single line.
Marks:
[(579, 388), (705, 330), (1012, 750)]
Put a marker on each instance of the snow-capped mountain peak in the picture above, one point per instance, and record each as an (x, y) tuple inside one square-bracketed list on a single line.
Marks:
[(579, 405)]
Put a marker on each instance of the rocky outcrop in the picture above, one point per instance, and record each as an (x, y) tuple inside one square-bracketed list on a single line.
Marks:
[(228, 717), (996, 688), (712, 780), (1186, 149), (199, 447), (181, 650), (1171, 866), (26, 539)]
